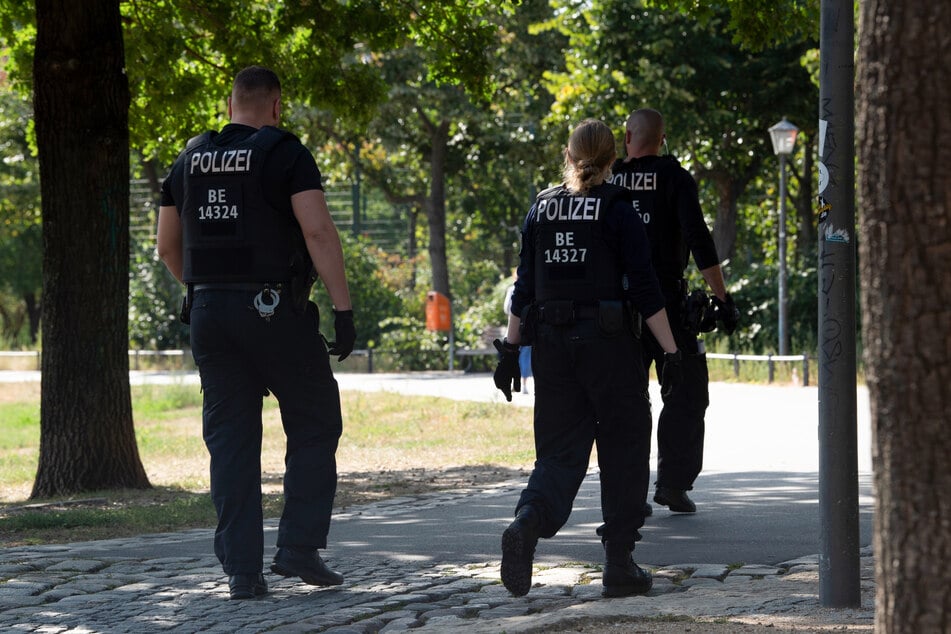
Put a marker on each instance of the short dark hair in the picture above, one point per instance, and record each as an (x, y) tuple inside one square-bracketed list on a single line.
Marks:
[(255, 83)]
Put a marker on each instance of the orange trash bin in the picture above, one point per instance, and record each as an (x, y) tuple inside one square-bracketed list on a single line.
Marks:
[(438, 312)]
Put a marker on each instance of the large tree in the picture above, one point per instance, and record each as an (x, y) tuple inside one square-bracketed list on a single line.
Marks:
[(904, 151), (81, 103)]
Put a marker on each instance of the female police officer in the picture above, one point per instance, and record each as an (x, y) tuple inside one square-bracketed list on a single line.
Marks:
[(584, 263)]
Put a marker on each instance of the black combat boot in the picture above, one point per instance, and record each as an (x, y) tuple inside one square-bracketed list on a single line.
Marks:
[(518, 551), (622, 577), (676, 500)]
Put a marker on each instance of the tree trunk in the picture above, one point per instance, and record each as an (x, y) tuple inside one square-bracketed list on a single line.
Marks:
[(904, 128), (81, 102), (724, 225), (33, 315), (436, 208)]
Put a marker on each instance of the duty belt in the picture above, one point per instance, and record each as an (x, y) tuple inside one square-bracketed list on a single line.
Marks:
[(238, 286), (265, 301), (565, 312)]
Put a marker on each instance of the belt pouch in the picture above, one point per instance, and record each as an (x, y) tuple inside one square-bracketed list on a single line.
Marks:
[(610, 317)]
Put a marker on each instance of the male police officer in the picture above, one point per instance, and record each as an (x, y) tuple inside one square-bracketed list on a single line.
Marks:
[(244, 223), (579, 241), (665, 196)]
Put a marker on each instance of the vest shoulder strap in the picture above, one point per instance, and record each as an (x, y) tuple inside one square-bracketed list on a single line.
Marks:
[(269, 136), (200, 139)]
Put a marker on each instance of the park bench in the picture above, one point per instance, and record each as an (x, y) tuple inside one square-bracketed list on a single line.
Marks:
[(469, 357)]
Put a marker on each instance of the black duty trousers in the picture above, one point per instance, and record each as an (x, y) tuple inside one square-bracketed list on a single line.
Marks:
[(240, 357), (588, 391), (680, 427)]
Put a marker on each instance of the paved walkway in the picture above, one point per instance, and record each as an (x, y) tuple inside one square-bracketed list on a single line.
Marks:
[(430, 563), (147, 584)]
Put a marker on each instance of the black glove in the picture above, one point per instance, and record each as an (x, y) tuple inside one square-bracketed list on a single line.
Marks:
[(507, 376), (345, 335), (727, 313), (672, 374)]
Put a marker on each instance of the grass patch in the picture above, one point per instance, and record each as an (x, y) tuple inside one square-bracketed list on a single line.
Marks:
[(392, 444)]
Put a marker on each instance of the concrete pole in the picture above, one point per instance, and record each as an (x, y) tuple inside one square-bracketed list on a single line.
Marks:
[(839, 579)]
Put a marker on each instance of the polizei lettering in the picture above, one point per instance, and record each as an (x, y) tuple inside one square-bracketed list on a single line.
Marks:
[(568, 209), (219, 161), (637, 181)]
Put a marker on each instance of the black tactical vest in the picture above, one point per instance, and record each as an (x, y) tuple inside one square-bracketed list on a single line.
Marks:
[(230, 232), (573, 261)]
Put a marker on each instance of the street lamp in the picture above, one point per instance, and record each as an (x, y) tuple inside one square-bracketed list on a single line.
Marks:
[(783, 135)]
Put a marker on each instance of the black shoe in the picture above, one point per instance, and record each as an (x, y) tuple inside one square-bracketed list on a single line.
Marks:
[(622, 577), (675, 499), (247, 586), (518, 551), (307, 565), (648, 510)]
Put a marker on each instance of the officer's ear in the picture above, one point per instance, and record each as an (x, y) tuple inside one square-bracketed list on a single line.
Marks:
[(229, 106), (276, 109)]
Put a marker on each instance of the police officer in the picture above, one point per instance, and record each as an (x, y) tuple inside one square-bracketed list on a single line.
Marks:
[(665, 197), (579, 240), (244, 224)]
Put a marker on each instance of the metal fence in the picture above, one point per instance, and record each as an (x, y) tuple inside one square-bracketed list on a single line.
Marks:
[(368, 361), (770, 359)]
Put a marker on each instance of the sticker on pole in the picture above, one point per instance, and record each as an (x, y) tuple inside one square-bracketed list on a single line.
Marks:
[(823, 177), (823, 170)]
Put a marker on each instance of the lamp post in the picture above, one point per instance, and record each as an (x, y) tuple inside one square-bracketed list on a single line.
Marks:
[(783, 135)]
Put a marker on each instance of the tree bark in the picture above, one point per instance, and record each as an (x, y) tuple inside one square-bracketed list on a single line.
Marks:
[(33, 314), (904, 132), (436, 208), (81, 102), (724, 225)]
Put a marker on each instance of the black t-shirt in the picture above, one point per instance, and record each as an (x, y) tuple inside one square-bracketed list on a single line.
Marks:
[(290, 169)]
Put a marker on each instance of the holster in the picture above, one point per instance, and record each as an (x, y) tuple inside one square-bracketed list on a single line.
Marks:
[(637, 322), (185, 316), (300, 286), (529, 319)]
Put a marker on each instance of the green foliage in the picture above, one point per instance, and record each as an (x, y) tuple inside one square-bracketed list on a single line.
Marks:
[(376, 281), (407, 345), (757, 298), (755, 24), (155, 298), (21, 237)]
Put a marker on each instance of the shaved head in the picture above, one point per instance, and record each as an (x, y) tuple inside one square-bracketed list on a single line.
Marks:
[(646, 126), (255, 97), (255, 85)]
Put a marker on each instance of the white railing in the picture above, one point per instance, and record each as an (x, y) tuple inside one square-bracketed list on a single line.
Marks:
[(770, 359), (182, 359), (30, 359)]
